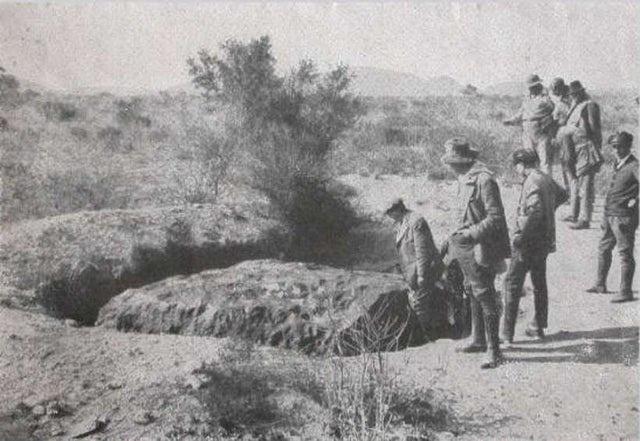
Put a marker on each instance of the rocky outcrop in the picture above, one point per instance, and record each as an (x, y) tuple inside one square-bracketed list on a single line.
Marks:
[(295, 305), (73, 264)]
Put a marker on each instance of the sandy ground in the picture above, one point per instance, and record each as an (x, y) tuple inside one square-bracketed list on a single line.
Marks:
[(579, 384)]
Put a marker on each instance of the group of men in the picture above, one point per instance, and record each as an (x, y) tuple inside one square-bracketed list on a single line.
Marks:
[(480, 243)]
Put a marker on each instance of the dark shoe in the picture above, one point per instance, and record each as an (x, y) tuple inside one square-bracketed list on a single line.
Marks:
[(494, 360), (580, 225), (623, 297), (531, 332), (570, 219), (597, 289), (473, 348)]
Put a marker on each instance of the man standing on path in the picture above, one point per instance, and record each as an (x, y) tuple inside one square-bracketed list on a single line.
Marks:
[(480, 244), (534, 238), (562, 106), (536, 118), (421, 266), (582, 139), (620, 219)]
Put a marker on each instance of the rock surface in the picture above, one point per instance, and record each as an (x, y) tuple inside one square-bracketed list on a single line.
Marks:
[(293, 305), (73, 264)]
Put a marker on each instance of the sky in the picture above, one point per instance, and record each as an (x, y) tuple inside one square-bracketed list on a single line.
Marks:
[(143, 46)]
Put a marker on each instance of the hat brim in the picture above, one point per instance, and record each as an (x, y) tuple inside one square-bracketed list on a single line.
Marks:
[(537, 83), (573, 92)]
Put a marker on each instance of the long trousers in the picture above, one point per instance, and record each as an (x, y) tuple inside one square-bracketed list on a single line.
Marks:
[(542, 145), (583, 196), (620, 231), (484, 305), (521, 263)]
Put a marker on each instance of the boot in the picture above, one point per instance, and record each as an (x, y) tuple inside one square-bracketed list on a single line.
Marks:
[(494, 355), (479, 342)]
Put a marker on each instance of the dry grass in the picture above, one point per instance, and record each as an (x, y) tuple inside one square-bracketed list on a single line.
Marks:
[(65, 153)]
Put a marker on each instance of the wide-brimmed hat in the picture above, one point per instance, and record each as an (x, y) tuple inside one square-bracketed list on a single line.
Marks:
[(620, 139), (395, 204), (533, 80), (575, 87), (458, 151), (558, 85)]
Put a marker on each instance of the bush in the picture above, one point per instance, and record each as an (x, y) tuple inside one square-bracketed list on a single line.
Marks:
[(129, 112), (288, 126), (59, 111), (111, 136)]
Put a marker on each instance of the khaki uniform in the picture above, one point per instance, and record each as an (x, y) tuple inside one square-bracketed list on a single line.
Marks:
[(582, 139), (536, 117), (534, 239), (419, 259)]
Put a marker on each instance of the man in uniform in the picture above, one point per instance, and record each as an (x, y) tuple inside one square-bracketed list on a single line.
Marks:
[(562, 106), (536, 118), (480, 244), (421, 266), (534, 238), (620, 219), (582, 140)]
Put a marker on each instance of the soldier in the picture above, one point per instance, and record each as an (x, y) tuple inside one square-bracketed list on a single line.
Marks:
[(420, 263), (562, 106), (480, 244), (534, 238), (582, 140), (620, 219), (536, 118)]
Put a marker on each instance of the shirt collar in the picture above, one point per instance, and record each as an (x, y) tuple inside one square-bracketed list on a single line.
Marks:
[(622, 161)]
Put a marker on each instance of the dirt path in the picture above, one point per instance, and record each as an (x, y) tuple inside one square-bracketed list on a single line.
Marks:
[(579, 384)]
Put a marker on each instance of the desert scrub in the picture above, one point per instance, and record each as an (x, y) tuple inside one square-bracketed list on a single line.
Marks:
[(59, 111)]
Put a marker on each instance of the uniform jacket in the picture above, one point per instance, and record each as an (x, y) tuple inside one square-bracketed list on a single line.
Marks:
[(480, 210), (535, 222), (623, 189), (586, 134), (536, 117), (418, 254)]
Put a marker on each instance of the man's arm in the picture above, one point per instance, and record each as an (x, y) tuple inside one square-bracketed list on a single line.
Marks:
[(490, 195), (531, 216), (560, 194), (594, 127), (516, 119)]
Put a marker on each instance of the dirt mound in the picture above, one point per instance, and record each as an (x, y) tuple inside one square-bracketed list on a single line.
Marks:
[(71, 265), (292, 305)]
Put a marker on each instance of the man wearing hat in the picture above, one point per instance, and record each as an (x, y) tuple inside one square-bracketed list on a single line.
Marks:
[(582, 139), (620, 219), (534, 238), (562, 105), (420, 263), (536, 117), (480, 244)]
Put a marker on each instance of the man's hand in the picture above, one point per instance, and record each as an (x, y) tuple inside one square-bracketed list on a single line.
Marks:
[(420, 282), (632, 203), (464, 235)]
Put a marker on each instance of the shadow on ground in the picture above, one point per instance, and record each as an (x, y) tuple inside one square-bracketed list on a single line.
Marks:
[(604, 346)]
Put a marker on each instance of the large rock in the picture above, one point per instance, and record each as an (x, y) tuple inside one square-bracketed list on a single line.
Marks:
[(73, 264), (294, 305)]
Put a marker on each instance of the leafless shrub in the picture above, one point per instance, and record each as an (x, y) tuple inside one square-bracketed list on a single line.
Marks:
[(59, 111)]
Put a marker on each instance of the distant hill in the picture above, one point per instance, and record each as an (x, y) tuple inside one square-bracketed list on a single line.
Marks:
[(511, 88), (372, 81)]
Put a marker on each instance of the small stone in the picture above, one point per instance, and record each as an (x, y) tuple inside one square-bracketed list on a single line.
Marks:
[(56, 430), (38, 410), (445, 436), (71, 323), (112, 385), (143, 418)]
